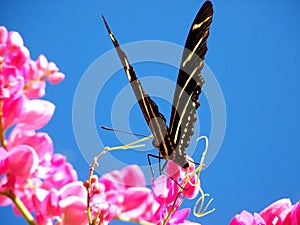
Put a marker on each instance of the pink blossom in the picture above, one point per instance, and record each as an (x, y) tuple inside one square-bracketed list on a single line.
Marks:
[(56, 78), (277, 211), (12, 110), (19, 170), (130, 176), (14, 41), (3, 38), (293, 217), (282, 212), (19, 57), (56, 172), (36, 114), (39, 141), (17, 166), (43, 181), (19, 72), (166, 193), (246, 218), (12, 82), (179, 174), (126, 194), (35, 89), (67, 205), (42, 63)]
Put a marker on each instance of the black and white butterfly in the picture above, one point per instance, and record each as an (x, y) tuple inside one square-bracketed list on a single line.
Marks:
[(172, 141)]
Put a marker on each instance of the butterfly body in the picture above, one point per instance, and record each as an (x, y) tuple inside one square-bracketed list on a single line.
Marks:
[(172, 141)]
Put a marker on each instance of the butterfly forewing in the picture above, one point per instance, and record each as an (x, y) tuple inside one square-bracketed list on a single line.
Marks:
[(155, 120), (172, 142), (190, 81)]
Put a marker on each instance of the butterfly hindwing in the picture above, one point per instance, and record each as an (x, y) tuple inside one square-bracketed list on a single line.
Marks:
[(190, 81)]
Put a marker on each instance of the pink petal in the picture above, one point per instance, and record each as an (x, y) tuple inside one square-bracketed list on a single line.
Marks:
[(52, 68), (22, 161), (129, 176), (58, 172), (2, 50), (272, 212), (73, 209), (295, 214), (12, 110), (164, 190), (39, 141), (191, 189), (159, 187), (133, 176), (136, 201), (50, 203), (29, 71), (42, 63), (14, 40), (36, 89), (36, 114), (246, 218), (73, 189), (19, 57), (179, 216), (112, 180), (173, 169), (291, 215), (4, 162), (55, 78), (40, 195), (3, 34)]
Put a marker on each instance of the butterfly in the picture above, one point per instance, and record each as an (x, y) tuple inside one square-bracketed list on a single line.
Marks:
[(172, 141)]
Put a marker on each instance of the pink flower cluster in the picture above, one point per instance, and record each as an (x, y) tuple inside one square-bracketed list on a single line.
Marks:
[(38, 181), (29, 170), (124, 195), (281, 212)]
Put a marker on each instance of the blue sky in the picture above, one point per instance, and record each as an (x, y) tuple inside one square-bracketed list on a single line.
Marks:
[(254, 53)]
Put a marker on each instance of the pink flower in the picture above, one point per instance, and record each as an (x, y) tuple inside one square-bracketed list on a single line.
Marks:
[(3, 38), (282, 212), (277, 211), (246, 218), (39, 141), (166, 197), (293, 217), (56, 172), (130, 176), (179, 174), (12, 110), (14, 41), (56, 78), (19, 170), (36, 114), (19, 73), (67, 205), (165, 191), (125, 193)]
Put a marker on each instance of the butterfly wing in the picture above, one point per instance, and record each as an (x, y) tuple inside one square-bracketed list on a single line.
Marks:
[(190, 81), (155, 120)]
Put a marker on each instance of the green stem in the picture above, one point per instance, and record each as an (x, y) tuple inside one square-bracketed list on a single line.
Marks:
[(2, 130), (21, 207)]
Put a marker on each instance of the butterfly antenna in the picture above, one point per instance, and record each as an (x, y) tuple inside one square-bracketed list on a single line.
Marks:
[(122, 131)]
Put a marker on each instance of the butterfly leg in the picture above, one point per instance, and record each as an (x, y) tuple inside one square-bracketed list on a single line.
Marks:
[(149, 161)]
